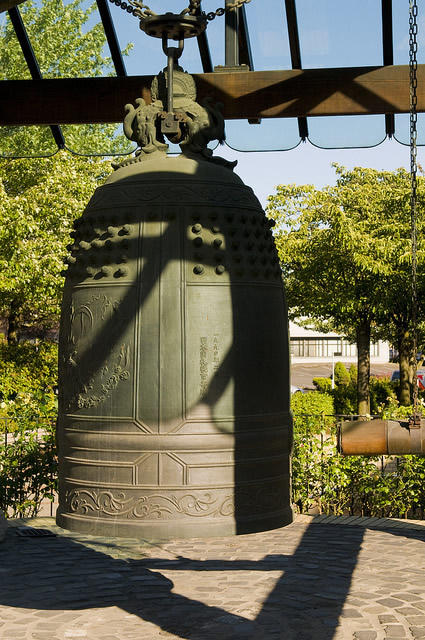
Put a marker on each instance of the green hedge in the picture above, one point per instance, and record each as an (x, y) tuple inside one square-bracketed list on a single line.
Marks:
[(28, 379)]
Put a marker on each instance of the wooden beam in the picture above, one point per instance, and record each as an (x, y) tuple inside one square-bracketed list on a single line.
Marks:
[(5, 5), (251, 94)]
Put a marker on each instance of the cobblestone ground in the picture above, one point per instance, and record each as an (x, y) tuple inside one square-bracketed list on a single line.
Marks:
[(306, 581)]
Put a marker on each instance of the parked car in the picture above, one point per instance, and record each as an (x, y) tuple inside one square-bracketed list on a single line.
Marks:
[(395, 377), (295, 389)]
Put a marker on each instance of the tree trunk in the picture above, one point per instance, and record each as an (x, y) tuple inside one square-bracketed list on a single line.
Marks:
[(405, 355), (12, 325), (363, 368)]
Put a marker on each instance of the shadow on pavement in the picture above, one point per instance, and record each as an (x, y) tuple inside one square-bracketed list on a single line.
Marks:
[(67, 574), (306, 601)]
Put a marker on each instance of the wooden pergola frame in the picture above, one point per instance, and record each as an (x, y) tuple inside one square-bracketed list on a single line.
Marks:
[(244, 93), (250, 94)]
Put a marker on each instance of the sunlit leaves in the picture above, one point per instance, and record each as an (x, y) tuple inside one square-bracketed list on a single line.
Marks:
[(39, 199), (346, 249), (346, 253), (66, 45)]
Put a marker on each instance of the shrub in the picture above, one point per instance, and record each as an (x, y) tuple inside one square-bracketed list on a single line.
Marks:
[(28, 407), (354, 485), (341, 375), (353, 373), (312, 403), (312, 418), (382, 391), (345, 399), (28, 465), (324, 385), (28, 380)]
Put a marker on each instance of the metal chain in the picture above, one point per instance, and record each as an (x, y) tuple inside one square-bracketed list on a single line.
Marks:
[(134, 7), (413, 66), (195, 4), (142, 11)]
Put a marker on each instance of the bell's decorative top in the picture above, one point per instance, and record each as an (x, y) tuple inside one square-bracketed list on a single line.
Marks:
[(189, 124)]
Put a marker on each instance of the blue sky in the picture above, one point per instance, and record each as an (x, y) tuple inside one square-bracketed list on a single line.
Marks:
[(308, 165), (332, 34)]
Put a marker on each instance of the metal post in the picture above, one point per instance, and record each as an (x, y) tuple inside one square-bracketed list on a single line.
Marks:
[(170, 80), (231, 36), (173, 54)]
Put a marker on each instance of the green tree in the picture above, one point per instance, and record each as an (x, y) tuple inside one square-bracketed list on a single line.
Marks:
[(346, 257), (39, 199), (65, 46)]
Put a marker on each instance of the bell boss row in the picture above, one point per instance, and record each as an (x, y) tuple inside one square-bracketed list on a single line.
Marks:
[(244, 94)]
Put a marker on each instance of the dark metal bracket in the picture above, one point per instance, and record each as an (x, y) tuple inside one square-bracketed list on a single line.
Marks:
[(388, 54), (170, 124), (111, 36), (295, 49), (32, 63)]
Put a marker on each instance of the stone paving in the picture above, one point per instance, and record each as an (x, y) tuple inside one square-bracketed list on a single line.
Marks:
[(321, 579)]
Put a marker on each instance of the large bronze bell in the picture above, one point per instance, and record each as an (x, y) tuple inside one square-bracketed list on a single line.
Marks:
[(174, 384)]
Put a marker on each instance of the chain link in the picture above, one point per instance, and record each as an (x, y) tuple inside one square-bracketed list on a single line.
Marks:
[(237, 4), (413, 66), (142, 11), (134, 7)]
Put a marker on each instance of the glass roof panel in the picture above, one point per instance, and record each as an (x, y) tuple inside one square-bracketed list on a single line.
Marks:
[(402, 128), (340, 34), (273, 134), (332, 34), (267, 31), (82, 60), (340, 132), (70, 57), (401, 33), (268, 35), (146, 56), (13, 65)]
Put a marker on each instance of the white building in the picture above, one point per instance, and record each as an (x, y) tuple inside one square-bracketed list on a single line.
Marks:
[(310, 347)]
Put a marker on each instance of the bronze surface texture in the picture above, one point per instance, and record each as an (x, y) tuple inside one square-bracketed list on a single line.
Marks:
[(174, 402)]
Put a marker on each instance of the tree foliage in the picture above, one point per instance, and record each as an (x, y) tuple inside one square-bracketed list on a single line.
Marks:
[(65, 46), (345, 252), (382, 391), (39, 199)]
